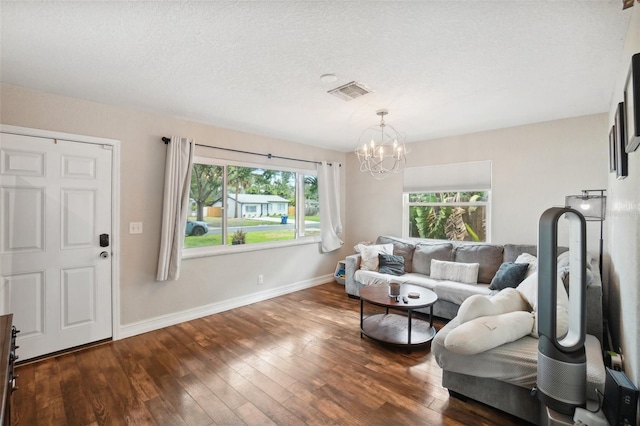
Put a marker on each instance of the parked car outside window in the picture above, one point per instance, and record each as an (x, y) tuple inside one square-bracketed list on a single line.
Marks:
[(197, 228)]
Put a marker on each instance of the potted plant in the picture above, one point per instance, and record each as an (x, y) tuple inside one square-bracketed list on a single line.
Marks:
[(238, 237)]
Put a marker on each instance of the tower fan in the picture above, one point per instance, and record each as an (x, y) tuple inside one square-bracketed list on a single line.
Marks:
[(562, 365)]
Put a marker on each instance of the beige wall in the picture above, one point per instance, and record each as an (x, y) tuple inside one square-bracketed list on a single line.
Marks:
[(623, 224), (204, 280), (533, 168)]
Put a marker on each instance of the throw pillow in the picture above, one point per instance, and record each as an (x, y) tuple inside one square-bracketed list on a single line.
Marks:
[(466, 273), (390, 264), (369, 255), (482, 334), (509, 275), (529, 259), (401, 247), (508, 300), (362, 243)]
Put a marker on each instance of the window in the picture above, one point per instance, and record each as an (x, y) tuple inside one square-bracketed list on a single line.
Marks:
[(460, 216), (234, 204), (448, 201)]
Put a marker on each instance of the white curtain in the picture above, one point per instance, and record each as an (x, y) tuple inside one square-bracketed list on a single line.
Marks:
[(177, 185), (329, 193)]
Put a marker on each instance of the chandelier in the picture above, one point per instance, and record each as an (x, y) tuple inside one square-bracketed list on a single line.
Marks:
[(381, 149)]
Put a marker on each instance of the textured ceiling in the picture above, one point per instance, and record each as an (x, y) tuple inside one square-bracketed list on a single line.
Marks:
[(440, 67)]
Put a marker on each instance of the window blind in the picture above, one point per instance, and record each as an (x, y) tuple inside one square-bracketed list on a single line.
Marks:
[(448, 177)]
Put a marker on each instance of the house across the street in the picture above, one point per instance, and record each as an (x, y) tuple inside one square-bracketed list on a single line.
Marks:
[(254, 205)]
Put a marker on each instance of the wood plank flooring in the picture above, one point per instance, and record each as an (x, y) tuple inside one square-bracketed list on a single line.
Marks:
[(294, 360)]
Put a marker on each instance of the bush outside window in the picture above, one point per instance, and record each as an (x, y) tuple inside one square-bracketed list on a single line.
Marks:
[(459, 216), (247, 204)]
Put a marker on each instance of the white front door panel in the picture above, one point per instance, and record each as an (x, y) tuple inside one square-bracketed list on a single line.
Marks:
[(55, 201)]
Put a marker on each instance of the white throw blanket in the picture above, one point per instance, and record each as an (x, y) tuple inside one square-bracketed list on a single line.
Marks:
[(488, 322)]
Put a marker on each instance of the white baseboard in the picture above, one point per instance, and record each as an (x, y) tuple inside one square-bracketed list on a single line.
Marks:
[(132, 329)]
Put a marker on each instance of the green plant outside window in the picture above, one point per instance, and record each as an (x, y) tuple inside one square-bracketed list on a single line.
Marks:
[(459, 216)]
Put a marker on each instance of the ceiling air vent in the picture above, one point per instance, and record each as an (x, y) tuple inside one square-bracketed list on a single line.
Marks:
[(350, 91)]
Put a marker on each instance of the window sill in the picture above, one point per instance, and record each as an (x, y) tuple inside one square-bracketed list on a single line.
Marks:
[(194, 253)]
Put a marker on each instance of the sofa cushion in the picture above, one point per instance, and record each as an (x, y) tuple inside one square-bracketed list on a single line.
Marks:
[(456, 292), (509, 275), (390, 264), (466, 273), (424, 253), (369, 255), (371, 277), (401, 247), (512, 251), (489, 257), (514, 362), (449, 291)]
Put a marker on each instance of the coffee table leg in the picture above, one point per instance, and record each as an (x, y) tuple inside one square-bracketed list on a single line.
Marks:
[(431, 316), (410, 311), (361, 309)]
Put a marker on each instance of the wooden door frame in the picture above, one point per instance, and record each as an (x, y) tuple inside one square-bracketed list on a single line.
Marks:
[(115, 205)]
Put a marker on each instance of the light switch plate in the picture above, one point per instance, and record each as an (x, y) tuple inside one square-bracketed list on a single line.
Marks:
[(135, 227)]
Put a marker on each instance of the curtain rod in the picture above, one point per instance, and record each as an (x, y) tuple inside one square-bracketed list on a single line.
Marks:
[(166, 140)]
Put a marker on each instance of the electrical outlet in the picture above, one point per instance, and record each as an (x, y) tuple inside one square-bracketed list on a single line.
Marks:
[(260, 279)]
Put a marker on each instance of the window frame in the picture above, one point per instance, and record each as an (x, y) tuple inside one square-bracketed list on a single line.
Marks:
[(299, 231), (406, 205)]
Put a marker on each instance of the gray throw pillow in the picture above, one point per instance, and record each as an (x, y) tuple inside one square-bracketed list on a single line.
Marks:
[(509, 275), (401, 247), (390, 264)]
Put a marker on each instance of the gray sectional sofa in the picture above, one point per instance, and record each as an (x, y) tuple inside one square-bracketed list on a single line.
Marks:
[(418, 253), (501, 377), (417, 262)]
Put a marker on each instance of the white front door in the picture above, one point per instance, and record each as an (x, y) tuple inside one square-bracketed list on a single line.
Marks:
[(55, 269)]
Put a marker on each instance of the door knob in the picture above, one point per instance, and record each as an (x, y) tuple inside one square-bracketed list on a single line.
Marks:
[(104, 254)]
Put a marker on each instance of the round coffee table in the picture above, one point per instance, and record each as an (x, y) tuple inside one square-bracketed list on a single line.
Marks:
[(397, 329)]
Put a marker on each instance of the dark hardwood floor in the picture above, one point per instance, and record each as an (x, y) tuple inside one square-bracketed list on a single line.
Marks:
[(294, 360)]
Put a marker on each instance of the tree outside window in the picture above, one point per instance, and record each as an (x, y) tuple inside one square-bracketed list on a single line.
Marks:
[(256, 205)]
